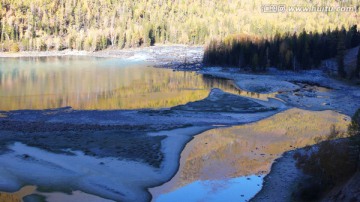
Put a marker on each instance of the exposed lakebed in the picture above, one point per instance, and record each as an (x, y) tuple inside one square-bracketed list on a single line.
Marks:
[(129, 125)]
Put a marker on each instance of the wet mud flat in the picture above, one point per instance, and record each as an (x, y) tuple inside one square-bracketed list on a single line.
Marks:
[(120, 136), (281, 181), (140, 147), (309, 90), (99, 141)]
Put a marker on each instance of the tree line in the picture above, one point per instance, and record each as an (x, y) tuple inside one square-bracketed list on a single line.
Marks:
[(357, 72), (92, 25), (304, 50)]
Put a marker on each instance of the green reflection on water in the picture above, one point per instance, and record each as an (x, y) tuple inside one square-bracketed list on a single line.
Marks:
[(96, 83)]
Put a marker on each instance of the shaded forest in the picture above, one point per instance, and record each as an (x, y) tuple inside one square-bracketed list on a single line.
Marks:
[(92, 25), (304, 50)]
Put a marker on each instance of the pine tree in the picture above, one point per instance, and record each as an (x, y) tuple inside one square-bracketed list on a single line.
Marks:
[(287, 51), (125, 22), (340, 57), (357, 71), (255, 62)]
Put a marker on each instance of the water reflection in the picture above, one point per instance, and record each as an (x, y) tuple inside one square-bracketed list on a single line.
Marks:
[(31, 193), (213, 81), (217, 190), (225, 153), (17, 196), (99, 83)]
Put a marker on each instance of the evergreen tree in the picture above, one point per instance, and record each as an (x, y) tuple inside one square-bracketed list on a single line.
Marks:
[(357, 71), (287, 51), (340, 57), (132, 23)]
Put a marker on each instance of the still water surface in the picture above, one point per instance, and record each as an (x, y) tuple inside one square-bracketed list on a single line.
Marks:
[(88, 83)]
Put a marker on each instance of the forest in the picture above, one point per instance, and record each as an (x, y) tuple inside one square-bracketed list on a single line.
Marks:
[(304, 50), (92, 25)]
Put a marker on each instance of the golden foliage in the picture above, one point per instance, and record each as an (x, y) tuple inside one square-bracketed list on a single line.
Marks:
[(128, 23)]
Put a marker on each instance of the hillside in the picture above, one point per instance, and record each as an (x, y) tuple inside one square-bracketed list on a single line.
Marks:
[(98, 24)]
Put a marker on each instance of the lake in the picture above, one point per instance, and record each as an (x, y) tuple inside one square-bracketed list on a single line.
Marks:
[(236, 141), (88, 83)]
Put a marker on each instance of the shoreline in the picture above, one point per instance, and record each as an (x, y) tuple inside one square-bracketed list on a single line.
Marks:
[(309, 89), (23, 54), (286, 180), (240, 140), (173, 56), (280, 182), (147, 121), (294, 88), (311, 98)]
